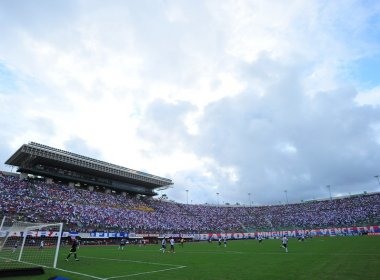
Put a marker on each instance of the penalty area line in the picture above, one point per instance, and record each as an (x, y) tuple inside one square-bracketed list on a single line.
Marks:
[(56, 268), (142, 273), (78, 273), (64, 270), (173, 267)]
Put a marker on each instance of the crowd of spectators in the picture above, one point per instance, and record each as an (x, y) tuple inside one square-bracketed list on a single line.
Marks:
[(84, 210)]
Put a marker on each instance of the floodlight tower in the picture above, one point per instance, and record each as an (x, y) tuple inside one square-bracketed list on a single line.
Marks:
[(286, 196), (378, 179), (329, 187)]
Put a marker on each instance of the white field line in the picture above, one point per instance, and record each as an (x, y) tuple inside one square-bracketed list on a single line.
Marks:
[(174, 266), (141, 273), (78, 273), (69, 271), (8, 259), (119, 260), (17, 261)]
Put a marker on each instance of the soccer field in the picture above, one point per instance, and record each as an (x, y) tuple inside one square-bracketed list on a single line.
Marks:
[(318, 258)]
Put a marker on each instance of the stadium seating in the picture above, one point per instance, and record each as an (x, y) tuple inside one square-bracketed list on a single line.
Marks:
[(87, 210)]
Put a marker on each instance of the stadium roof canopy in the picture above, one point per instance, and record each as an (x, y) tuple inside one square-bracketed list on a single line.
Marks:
[(38, 159)]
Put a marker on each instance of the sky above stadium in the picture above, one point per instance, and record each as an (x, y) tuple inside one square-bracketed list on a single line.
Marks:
[(236, 101)]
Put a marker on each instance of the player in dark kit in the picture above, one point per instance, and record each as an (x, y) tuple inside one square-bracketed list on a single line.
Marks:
[(73, 250), (260, 239), (122, 244), (15, 246), (301, 237)]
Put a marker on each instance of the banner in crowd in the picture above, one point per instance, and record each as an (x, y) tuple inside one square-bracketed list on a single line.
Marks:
[(104, 234), (140, 235), (42, 233), (371, 230), (177, 235), (337, 231)]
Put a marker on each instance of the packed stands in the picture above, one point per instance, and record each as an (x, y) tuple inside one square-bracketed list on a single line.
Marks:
[(86, 210)]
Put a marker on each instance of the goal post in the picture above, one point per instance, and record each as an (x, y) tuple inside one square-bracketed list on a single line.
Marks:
[(26, 245), (50, 241)]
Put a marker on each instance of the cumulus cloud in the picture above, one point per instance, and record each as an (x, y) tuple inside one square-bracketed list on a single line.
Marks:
[(231, 97)]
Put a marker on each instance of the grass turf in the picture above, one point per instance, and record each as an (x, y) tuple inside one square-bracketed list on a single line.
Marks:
[(318, 258)]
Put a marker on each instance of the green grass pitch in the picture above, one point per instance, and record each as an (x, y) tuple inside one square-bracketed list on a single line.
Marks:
[(317, 258)]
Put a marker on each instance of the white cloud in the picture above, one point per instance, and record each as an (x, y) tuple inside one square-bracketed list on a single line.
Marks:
[(286, 148), (231, 97), (370, 97)]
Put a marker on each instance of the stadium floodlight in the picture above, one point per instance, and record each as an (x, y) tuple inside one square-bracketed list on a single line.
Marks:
[(329, 187), (286, 196), (249, 197), (29, 245), (187, 196), (378, 179)]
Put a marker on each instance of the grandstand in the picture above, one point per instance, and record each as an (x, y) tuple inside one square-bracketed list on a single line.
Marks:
[(64, 166), (86, 211), (101, 218), (67, 193)]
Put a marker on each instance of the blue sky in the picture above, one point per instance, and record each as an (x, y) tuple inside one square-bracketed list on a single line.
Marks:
[(228, 97)]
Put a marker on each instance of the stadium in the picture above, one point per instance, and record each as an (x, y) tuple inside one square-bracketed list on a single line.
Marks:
[(57, 197), (164, 139)]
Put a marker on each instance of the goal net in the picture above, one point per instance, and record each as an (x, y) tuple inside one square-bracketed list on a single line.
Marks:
[(26, 245)]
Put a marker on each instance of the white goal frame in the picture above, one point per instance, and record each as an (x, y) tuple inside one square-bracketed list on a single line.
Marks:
[(30, 228), (26, 228)]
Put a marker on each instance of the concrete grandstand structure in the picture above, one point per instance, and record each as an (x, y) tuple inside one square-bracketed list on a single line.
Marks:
[(58, 197), (59, 165)]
